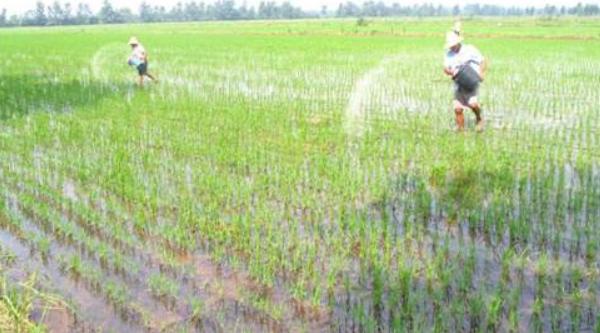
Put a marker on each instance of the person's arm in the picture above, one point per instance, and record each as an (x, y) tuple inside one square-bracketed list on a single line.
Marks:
[(475, 55), (143, 56), (448, 67), (483, 69)]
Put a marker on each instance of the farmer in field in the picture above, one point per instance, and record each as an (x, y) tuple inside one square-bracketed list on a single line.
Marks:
[(139, 60), (466, 66)]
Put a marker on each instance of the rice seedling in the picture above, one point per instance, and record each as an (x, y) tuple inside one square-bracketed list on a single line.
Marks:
[(197, 312), (7, 256), (163, 287), (116, 294), (17, 302)]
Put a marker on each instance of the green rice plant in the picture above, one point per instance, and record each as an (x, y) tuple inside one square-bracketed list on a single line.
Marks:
[(494, 312), (116, 294), (197, 310), (537, 313), (541, 272), (18, 305), (7, 256), (72, 264), (43, 245), (576, 307), (18, 301), (476, 309), (513, 309), (591, 247), (163, 287)]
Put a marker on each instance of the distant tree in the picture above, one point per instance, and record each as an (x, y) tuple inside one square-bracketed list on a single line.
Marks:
[(39, 17), (210, 13), (341, 11), (225, 10), (55, 14), (398, 10), (456, 10), (578, 10), (68, 17), (147, 12), (246, 13), (349, 9), (252, 13), (591, 10), (109, 15), (491, 10), (177, 13), (563, 10), (324, 11), (84, 14), (59, 13), (381, 9), (15, 20), (441, 11), (194, 11), (369, 9), (160, 14), (515, 11), (550, 10), (266, 10), (287, 11), (106, 14), (3, 19), (530, 11), (472, 9), (425, 10), (124, 15)]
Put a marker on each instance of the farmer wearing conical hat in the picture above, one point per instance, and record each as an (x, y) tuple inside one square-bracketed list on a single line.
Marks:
[(139, 60), (467, 67)]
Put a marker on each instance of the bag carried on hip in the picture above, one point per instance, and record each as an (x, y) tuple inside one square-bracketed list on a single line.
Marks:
[(467, 77)]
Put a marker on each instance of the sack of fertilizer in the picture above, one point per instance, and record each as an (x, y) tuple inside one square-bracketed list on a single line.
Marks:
[(134, 62), (467, 77)]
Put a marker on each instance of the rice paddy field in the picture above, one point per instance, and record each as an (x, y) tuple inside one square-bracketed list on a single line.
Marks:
[(299, 176)]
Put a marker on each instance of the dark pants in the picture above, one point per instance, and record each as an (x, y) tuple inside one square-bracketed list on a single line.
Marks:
[(464, 96), (143, 68)]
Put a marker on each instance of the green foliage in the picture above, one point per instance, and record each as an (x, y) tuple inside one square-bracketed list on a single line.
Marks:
[(162, 286)]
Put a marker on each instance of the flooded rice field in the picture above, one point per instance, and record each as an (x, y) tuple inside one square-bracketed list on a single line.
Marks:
[(266, 187)]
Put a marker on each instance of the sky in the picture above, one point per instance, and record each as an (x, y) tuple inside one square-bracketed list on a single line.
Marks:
[(20, 6)]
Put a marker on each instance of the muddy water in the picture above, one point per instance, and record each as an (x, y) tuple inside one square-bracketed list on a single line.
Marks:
[(222, 290), (437, 235), (135, 283), (227, 290), (92, 312)]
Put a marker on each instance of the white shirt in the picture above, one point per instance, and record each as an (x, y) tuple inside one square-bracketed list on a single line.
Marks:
[(467, 53), (138, 54)]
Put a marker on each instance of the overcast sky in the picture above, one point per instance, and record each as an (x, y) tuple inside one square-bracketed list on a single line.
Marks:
[(20, 6)]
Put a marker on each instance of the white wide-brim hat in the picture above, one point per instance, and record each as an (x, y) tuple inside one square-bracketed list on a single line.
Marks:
[(133, 41), (452, 39)]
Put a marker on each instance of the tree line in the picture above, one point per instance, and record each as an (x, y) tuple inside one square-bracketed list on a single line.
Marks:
[(65, 13)]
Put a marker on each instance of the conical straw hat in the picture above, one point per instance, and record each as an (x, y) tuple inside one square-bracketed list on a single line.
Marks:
[(452, 39)]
